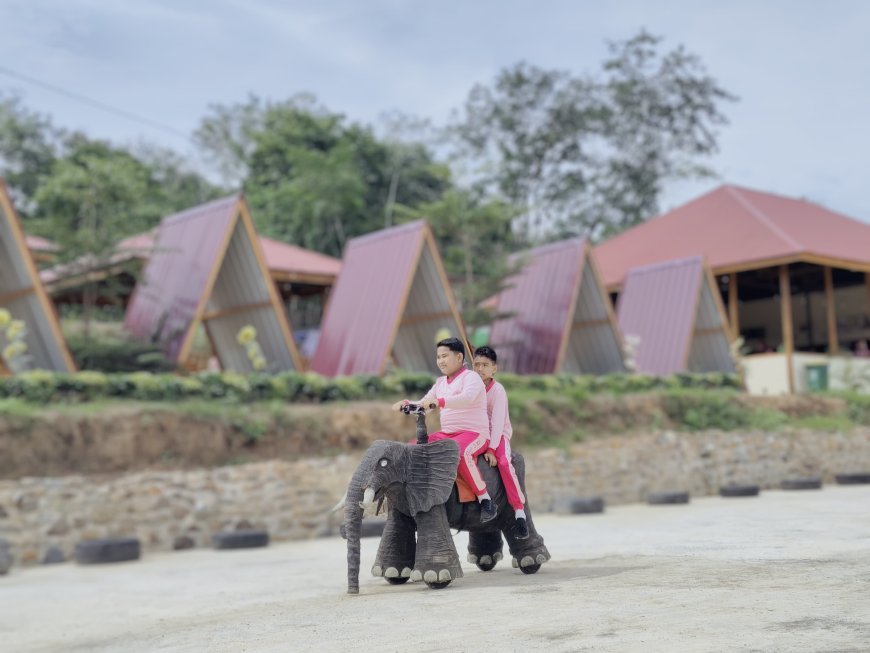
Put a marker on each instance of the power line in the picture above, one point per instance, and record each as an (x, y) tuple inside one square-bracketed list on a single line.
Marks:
[(94, 103)]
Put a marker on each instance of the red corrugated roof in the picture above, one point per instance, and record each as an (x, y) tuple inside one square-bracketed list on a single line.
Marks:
[(40, 244), (280, 257), (540, 297), (659, 304), (292, 259), (177, 274), (367, 301), (733, 226), (141, 244)]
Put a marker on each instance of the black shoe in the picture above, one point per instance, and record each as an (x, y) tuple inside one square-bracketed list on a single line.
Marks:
[(521, 529), (488, 511)]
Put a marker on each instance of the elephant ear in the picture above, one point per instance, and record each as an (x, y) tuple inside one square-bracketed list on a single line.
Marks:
[(431, 474)]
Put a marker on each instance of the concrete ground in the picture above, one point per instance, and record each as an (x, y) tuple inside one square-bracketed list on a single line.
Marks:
[(786, 571)]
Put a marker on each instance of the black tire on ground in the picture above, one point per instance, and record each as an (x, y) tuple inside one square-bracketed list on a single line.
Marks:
[(739, 491), (487, 567), (5, 557), (53, 556), (530, 569), (372, 527), (582, 506), (667, 498), (112, 549), (398, 581), (810, 483), (240, 540), (853, 479), (439, 585)]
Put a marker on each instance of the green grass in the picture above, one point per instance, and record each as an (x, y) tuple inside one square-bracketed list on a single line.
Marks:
[(825, 423)]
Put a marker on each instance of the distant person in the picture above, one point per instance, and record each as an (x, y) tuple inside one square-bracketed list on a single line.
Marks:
[(500, 431), (462, 399), (861, 349)]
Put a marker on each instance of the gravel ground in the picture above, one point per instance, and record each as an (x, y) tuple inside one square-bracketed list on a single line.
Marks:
[(786, 571)]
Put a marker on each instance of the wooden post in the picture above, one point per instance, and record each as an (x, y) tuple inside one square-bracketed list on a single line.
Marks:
[(733, 318), (833, 340), (786, 318)]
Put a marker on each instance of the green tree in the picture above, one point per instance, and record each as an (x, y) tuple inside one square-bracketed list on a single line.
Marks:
[(88, 203), (590, 154), (28, 145), (313, 179), (227, 137)]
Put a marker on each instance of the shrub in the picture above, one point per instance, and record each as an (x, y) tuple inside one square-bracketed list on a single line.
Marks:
[(858, 407), (697, 410), (42, 386)]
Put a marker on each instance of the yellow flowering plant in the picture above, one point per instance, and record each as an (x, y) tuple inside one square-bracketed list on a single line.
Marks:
[(247, 337), (15, 349)]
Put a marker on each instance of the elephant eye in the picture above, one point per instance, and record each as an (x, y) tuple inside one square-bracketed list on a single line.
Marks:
[(383, 462)]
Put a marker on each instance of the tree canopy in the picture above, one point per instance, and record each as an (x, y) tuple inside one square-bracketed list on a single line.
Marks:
[(534, 155)]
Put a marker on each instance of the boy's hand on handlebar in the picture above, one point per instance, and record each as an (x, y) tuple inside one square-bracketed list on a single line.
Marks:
[(398, 405)]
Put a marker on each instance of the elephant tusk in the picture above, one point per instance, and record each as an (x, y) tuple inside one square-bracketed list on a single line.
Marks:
[(338, 506), (368, 499)]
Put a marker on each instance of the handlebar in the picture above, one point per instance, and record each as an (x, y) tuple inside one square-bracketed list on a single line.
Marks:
[(413, 409)]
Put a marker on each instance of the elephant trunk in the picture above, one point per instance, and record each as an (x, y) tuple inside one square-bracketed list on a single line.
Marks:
[(353, 513)]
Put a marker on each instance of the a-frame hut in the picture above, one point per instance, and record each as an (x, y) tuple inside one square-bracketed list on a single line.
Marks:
[(559, 318), (41, 344), (207, 268), (675, 311), (390, 302)]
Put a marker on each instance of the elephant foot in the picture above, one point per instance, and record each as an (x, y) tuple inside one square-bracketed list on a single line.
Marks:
[(485, 559), (436, 573), (391, 571), (484, 549), (530, 563)]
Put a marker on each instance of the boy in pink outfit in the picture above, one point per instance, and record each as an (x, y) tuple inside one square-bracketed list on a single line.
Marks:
[(461, 397), (499, 450)]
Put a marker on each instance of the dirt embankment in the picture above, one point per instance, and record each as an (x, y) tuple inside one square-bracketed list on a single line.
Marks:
[(128, 438), (125, 437)]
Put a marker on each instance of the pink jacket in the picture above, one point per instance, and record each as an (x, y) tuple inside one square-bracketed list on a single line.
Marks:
[(463, 402), (499, 417)]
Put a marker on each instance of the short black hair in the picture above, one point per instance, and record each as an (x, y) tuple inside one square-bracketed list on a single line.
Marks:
[(486, 352), (453, 344)]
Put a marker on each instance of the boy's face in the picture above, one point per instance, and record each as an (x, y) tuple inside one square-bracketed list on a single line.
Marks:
[(448, 361), (485, 368)]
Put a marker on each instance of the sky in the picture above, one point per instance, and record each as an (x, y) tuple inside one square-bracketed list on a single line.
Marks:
[(800, 68)]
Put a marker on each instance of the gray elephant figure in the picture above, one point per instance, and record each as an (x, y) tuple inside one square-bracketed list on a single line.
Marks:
[(417, 480)]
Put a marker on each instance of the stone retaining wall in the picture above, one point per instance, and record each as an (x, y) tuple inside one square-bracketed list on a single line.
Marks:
[(180, 509)]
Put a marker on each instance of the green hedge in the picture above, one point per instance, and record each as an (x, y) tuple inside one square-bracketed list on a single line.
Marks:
[(40, 386)]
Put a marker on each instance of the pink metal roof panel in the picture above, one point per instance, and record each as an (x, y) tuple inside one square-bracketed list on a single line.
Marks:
[(732, 226), (367, 301), (540, 298), (282, 257), (188, 244), (659, 304)]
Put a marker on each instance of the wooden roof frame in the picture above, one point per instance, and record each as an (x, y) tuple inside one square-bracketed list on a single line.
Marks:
[(589, 258), (710, 280), (241, 212), (36, 287), (426, 240)]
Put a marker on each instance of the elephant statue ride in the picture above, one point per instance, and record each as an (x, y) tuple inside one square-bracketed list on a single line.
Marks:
[(424, 502)]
